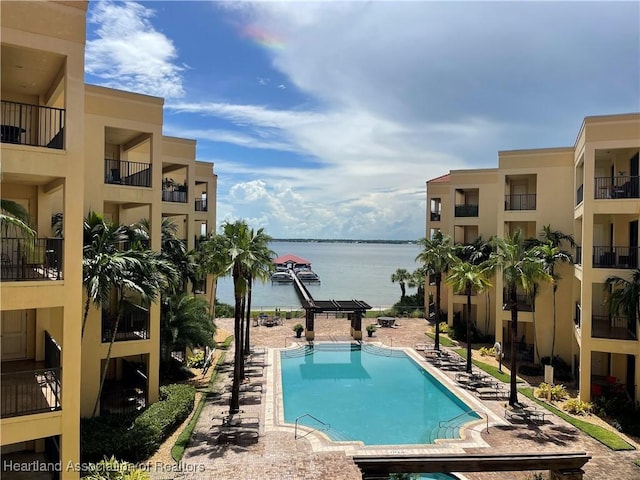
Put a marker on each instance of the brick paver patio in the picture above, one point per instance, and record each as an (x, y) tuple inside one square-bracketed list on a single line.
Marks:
[(275, 454)]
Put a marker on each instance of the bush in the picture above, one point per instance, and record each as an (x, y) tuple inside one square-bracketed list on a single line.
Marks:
[(113, 469), (372, 327), (196, 360), (577, 406), (135, 438), (444, 327), (174, 371), (555, 393), (487, 352)]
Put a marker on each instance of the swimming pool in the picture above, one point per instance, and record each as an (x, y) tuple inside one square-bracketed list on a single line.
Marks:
[(370, 394)]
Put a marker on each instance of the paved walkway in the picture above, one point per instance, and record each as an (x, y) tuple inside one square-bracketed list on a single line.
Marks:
[(271, 452)]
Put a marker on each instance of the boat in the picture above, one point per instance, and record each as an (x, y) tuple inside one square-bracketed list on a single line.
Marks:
[(281, 276), (307, 275)]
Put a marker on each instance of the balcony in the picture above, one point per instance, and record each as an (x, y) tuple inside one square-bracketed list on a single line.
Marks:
[(615, 257), (614, 327), (621, 186), (134, 325), (22, 259), (466, 210), (523, 201), (201, 204), (523, 301), (29, 387), (435, 216), (174, 192), (33, 125), (122, 172), (578, 258), (127, 394)]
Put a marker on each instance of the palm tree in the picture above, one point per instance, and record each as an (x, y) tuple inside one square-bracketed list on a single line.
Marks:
[(437, 256), (136, 277), (551, 254), (416, 280), (477, 252), (211, 258), (259, 266), (401, 276), (239, 258), (467, 277), (14, 215), (521, 268), (185, 322), (624, 296)]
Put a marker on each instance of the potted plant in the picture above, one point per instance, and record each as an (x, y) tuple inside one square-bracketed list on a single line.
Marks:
[(372, 327), (298, 328)]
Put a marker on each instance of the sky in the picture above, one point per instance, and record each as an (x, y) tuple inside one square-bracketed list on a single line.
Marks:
[(326, 119)]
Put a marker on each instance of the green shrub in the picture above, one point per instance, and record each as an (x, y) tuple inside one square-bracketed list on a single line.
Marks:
[(113, 469), (444, 327), (487, 352), (196, 360), (577, 406), (372, 327), (135, 438), (555, 393)]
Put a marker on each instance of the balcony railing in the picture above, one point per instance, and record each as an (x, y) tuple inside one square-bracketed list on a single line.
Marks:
[(620, 328), (522, 299), (179, 196), (521, 201), (134, 325), (622, 186), (435, 216), (123, 172), (465, 210), (30, 391), (201, 204), (129, 394), (615, 257), (22, 259), (33, 125), (578, 258), (577, 317), (579, 194)]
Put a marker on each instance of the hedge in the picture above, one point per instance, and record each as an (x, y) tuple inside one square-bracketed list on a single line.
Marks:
[(136, 438)]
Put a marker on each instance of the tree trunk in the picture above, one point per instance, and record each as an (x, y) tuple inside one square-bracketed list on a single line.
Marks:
[(403, 290), (513, 300), (553, 338), (469, 330), (241, 342), (247, 340), (234, 402), (108, 359), (438, 280), (85, 316)]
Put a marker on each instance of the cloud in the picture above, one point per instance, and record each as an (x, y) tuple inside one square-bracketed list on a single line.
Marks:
[(129, 53)]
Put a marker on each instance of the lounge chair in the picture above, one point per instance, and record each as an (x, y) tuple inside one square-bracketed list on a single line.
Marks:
[(525, 414), (495, 392)]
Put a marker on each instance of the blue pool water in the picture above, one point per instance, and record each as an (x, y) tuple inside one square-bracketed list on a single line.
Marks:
[(377, 396)]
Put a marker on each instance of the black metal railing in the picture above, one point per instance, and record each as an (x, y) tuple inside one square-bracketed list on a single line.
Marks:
[(520, 201), (622, 186), (577, 318), (30, 391), (466, 210), (179, 196), (435, 216), (579, 194), (52, 351), (122, 399), (33, 125), (522, 300), (123, 172), (134, 325), (578, 258), (23, 259), (615, 327), (201, 204), (615, 257)]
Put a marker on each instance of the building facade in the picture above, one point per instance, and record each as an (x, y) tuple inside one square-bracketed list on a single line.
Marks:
[(69, 148), (589, 191)]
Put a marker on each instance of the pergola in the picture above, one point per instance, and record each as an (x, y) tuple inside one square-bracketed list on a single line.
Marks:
[(355, 309)]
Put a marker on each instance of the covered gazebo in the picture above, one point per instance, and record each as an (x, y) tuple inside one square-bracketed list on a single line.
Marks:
[(355, 310)]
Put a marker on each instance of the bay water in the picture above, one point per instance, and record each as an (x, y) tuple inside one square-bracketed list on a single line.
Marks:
[(347, 271)]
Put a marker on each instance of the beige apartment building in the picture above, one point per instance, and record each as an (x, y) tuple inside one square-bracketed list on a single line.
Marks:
[(591, 191), (68, 148)]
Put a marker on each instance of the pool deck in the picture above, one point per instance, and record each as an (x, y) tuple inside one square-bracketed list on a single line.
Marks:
[(271, 452)]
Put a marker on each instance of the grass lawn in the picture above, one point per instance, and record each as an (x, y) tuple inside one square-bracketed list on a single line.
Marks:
[(604, 436), (444, 341)]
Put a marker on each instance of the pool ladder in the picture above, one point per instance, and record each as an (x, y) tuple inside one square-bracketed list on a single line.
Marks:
[(446, 425), (324, 428)]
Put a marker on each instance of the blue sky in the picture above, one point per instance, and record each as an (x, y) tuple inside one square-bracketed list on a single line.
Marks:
[(324, 120)]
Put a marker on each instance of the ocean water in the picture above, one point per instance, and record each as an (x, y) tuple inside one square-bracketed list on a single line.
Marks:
[(360, 271)]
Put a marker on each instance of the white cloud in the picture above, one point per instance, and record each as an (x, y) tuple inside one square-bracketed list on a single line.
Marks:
[(129, 53)]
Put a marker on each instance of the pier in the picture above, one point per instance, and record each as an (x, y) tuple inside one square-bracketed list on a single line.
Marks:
[(355, 309)]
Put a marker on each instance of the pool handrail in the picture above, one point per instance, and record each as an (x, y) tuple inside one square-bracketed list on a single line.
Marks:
[(486, 415), (295, 434)]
